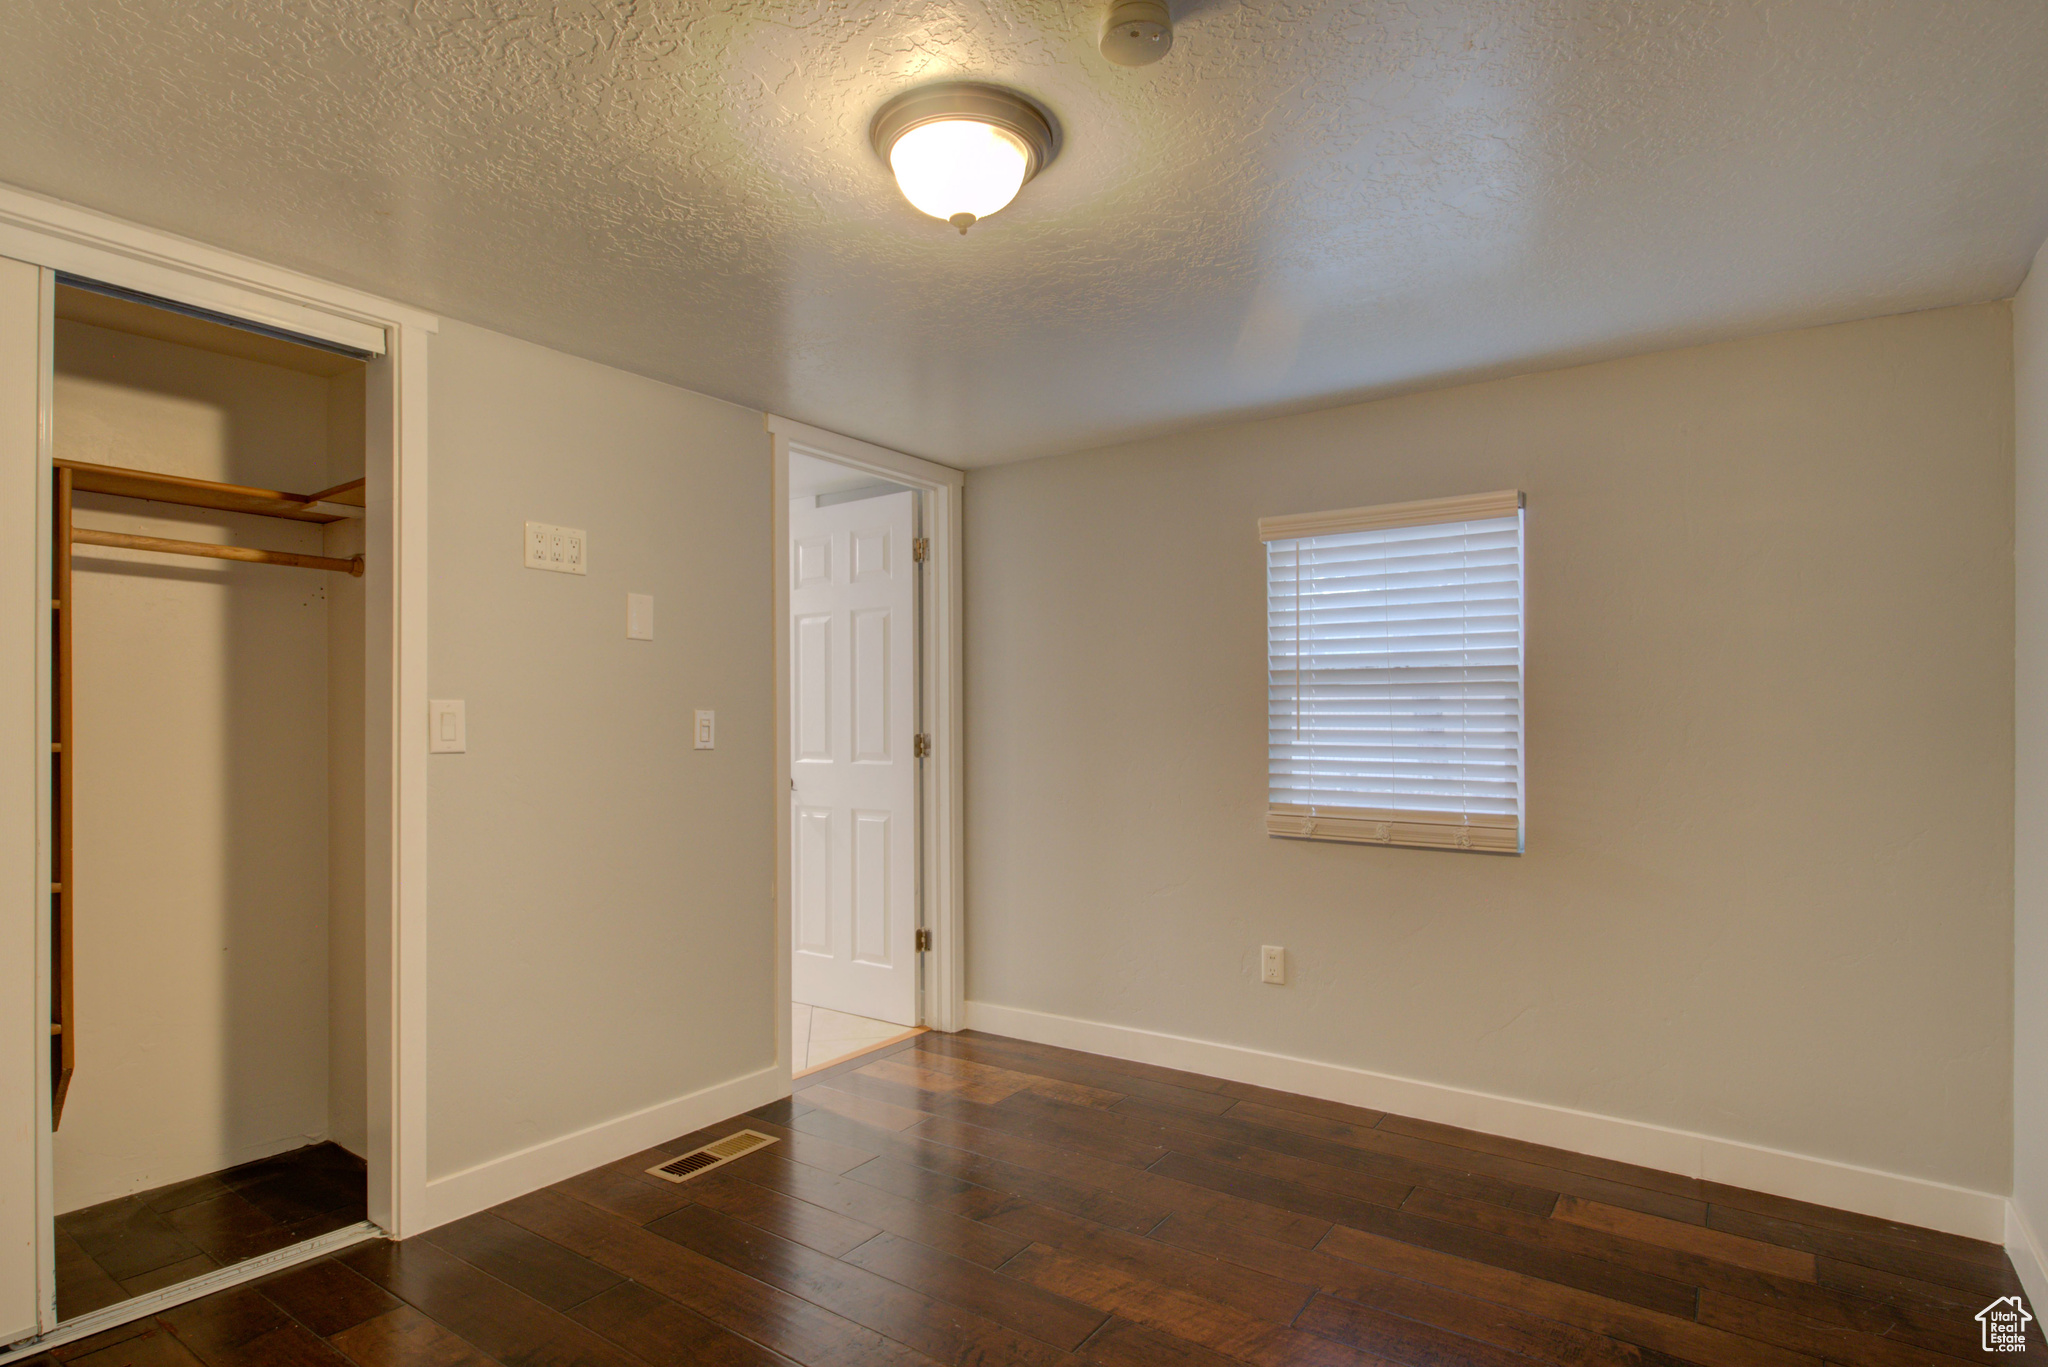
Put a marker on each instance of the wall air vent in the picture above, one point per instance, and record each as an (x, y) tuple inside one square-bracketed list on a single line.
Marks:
[(712, 1155)]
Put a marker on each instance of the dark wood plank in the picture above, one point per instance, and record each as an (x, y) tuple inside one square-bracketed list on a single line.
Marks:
[(1834, 1342), (289, 1345), (1397, 1339), (403, 1337), (1172, 1077), (881, 1114), (959, 1078), (940, 1191), (1254, 1293), (1732, 1249), (1503, 1325), (1006, 1178), (1543, 1156), (83, 1286), (523, 1260), (198, 1265), (1804, 1212), (229, 1229), (1004, 1300), (1080, 1134), (1588, 1274), (1677, 1335), (1182, 1314), (660, 1331), (1879, 1303), (127, 1238), (1252, 1095), (781, 1214), (794, 1146), (908, 1317), (326, 1297), (1979, 1278), (967, 1239), (1169, 1195), (980, 1050), (1660, 1260), (154, 1349), (752, 1309), (1120, 1343), (218, 1325), (626, 1190), (1892, 1287), (503, 1323), (1389, 1139)]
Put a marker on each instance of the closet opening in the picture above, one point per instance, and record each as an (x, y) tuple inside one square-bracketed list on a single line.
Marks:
[(207, 979)]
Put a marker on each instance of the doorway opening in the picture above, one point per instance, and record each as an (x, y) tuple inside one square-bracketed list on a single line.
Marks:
[(867, 759)]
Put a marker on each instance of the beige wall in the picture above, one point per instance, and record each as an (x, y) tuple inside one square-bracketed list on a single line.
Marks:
[(2030, 790), (1767, 893), (202, 805), (601, 936)]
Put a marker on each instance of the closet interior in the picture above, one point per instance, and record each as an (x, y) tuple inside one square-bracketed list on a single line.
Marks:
[(207, 799)]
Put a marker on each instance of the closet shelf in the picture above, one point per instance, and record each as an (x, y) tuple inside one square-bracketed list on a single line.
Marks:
[(329, 505), (81, 536)]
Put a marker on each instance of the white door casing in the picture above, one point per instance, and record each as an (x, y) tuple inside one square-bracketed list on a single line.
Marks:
[(853, 764)]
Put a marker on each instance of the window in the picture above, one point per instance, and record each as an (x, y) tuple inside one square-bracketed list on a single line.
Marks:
[(1394, 673)]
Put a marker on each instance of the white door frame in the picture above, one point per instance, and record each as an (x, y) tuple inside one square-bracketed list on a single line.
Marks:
[(63, 237), (941, 686)]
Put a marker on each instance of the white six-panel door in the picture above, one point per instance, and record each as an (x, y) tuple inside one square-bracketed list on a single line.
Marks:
[(853, 792)]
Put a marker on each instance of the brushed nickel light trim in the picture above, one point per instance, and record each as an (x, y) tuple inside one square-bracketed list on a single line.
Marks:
[(1030, 122)]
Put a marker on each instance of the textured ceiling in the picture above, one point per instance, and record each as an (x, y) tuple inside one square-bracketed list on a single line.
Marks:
[(1303, 203)]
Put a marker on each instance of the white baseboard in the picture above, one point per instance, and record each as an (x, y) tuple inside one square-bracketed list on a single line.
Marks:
[(501, 1179), (1845, 1186), (2027, 1259)]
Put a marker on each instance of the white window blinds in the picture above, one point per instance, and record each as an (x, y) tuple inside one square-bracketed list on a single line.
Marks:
[(1394, 674)]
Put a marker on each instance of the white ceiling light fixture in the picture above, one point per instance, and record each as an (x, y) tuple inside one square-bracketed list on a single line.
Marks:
[(961, 150)]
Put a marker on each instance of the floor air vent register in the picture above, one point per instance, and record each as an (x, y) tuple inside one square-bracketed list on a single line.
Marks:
[(715, 1154)]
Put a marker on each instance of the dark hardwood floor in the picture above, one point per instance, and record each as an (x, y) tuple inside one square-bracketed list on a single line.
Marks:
[(966, 1199), (153, 1239)]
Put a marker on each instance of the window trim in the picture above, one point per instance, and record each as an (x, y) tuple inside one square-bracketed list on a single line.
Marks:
[(1483, 832)]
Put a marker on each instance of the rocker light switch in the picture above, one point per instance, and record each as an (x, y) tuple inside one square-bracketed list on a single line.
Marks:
[(446, 732), (640, 616)]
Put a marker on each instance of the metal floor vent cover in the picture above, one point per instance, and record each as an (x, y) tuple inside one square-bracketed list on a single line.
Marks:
[(715, 1154)]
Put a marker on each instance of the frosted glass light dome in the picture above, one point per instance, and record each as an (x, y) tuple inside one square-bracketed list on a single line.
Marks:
[(959, 170), (961, 150)]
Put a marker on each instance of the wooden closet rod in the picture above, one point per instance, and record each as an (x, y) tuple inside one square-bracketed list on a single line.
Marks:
[(82, 536)]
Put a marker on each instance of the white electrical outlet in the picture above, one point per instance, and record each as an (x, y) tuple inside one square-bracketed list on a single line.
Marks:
[(639, 616), (1273, 965), (707, 729), (447, 728), (564, 550)]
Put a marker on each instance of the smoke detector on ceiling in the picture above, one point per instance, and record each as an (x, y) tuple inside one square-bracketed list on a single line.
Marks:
[(1138, 32)]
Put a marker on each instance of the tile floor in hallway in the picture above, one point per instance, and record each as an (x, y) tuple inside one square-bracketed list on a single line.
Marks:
[(819, 1036)]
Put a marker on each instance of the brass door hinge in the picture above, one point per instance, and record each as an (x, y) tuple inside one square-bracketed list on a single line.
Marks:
[(921, 747), (920, 549), (924, 941)]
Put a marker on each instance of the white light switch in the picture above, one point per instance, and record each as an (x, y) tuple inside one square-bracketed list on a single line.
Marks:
[(447, 732), (707, 729), (640, 616), (1272, 965)]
